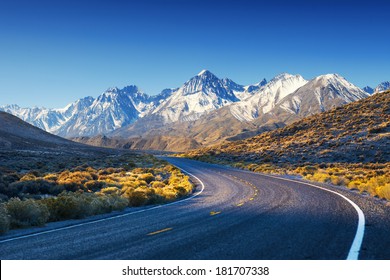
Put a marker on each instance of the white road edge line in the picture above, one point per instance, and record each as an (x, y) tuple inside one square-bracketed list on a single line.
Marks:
[(110, 218), (353, 253)]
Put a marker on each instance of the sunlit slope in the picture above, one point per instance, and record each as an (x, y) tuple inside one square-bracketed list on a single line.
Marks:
[(353, 133)]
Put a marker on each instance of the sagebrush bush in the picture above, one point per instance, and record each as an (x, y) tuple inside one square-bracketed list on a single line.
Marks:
[(4, 219), (25, 213), (137, 197), (94, 185), (68, 205), (147, 177)]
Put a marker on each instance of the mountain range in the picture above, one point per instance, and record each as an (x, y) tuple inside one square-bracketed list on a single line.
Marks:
[(205, 110)]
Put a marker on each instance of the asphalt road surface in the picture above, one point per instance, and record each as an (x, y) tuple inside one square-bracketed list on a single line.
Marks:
[(232, 215)]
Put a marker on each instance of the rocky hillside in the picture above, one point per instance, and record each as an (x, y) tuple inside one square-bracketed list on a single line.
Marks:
[(358, 132)]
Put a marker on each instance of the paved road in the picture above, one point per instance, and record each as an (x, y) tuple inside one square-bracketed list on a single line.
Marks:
[(238, 215)]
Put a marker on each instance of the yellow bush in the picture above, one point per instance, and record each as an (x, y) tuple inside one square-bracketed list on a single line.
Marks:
[(169, 193), (148, 177), (158, 184), (384, 191), (51, 177), (137, 197), (319, 177), (110, 190), (338, 180)]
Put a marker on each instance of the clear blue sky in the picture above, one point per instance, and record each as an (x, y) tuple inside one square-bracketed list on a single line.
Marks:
[(54, 52)]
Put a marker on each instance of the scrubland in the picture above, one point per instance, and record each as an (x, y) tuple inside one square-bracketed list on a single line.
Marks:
[(39, 188)]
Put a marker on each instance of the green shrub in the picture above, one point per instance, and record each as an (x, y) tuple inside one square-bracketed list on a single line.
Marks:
[(25, 213), (4, 219)]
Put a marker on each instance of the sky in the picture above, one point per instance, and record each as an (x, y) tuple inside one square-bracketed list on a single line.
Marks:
[(55, 52)]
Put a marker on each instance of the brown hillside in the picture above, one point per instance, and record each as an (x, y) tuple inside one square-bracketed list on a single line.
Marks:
[(354, 133)]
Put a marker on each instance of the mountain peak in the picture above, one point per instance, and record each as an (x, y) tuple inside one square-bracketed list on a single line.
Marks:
[(368, 89), (204, 72), (330, 76), (382, 87), (112, 90), (282, 76)]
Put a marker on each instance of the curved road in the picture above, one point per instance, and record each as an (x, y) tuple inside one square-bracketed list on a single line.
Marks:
[(234, 215)]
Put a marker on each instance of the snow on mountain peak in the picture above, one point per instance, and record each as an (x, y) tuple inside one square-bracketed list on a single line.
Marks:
[(282, 76), (203, 72), (112, 90), (266, 97), (382, 87), (201, 94)]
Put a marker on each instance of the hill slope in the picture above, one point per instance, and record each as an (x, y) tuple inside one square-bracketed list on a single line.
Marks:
[(17, 134), (354, 133)]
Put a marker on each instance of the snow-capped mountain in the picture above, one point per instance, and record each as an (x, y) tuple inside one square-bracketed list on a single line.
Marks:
[(321, 94), (264, 99), (382, 87), (204, 104), (89, 116), (201, 94)]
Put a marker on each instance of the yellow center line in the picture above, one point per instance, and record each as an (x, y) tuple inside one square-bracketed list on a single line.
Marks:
[(212, 213), (240, 204), (159, 231)]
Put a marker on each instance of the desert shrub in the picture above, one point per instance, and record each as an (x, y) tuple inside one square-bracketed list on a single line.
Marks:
[(68, 205), (28, 177), (51, 177), (169, 193), (94, 185), (180, 191), (25, 213), (4, 219), (147, 177), (72, 186), (354, 184), (113, 202), (339, 180), (10, 178), (78, 205), (305, 170), (110, 190), (74, 178), (56, 189), (38, 186), (319, 177), (157, 184), (129, 185), (11, 190), (137, 197), (384, 191)]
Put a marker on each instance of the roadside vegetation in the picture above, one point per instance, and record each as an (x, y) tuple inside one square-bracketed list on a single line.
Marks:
[(346, 146), (75, 187)]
